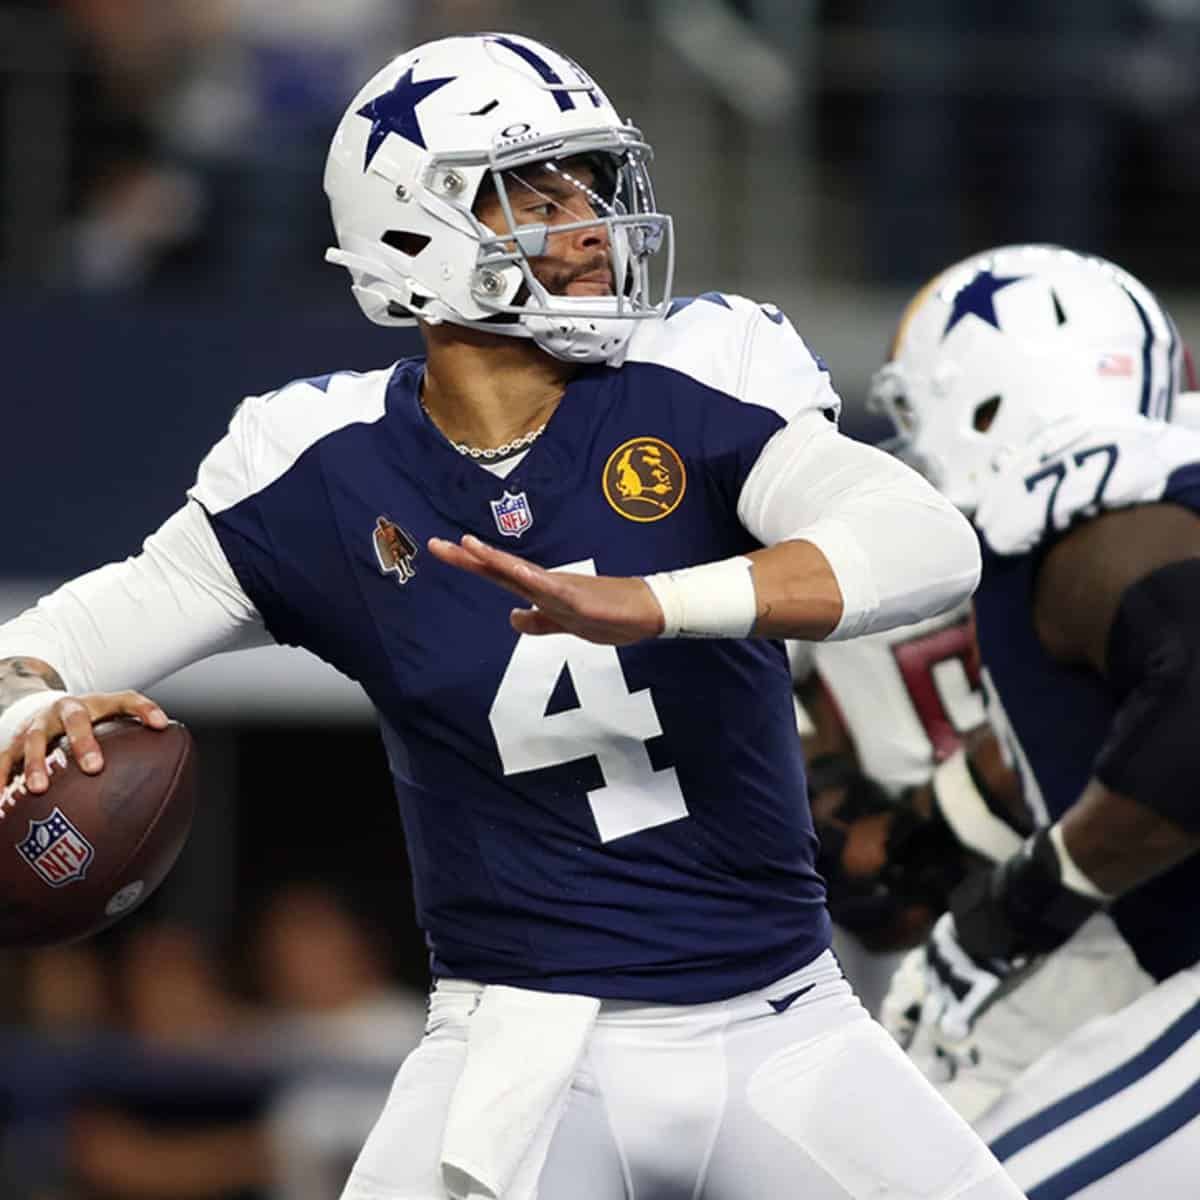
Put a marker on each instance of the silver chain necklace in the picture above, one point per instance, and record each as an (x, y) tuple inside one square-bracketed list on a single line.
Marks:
[(494, 452)]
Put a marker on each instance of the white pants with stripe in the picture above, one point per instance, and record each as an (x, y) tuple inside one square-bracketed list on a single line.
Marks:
[(734, 1100), (1114, 1112)]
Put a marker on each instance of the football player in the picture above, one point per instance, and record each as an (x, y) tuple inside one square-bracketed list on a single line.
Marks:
[(882, 712), (634, 991), (1036, 386)]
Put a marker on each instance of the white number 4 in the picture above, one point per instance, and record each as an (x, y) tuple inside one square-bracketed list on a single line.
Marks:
[(611, 723)]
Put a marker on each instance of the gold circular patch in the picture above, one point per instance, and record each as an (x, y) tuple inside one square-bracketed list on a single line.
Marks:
[(644, 479)]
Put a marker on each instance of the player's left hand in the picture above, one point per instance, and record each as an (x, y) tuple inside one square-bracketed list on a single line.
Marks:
[(611, 610)]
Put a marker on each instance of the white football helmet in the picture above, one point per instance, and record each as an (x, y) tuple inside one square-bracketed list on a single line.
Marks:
[(407, 163), (1000, 346)]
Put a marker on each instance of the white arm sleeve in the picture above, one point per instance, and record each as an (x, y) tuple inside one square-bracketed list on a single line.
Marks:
[(131, 623), (899, 550)]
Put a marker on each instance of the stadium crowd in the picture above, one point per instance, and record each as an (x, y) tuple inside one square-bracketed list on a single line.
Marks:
[(143, 1064)]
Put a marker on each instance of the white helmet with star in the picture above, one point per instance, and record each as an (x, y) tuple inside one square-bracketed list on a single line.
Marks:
[(408, 162), (996, 348)]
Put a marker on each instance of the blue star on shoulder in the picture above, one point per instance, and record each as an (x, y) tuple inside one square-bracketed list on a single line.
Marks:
[(683, 302), (320, 382), (396, 112), (977, 298)]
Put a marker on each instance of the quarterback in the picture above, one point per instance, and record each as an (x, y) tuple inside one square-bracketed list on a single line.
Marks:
[(558, 551)]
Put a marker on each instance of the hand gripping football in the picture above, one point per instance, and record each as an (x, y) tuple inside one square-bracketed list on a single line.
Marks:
[(93, 847)]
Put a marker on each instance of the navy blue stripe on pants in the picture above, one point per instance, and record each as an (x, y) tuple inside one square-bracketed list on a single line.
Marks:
[(1125, 1147), (1093, 1094)]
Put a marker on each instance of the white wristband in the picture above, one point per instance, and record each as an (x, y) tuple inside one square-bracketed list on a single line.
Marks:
[(1070, 874), (716, 600), (23, 710)]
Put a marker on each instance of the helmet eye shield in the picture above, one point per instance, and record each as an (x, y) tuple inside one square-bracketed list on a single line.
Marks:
[(567, 209), (557, 198)]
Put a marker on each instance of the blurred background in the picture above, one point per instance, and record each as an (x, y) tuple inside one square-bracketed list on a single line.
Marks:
[(162, 228)]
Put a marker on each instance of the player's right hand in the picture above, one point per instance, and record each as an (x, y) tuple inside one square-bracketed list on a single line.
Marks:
[(74, 717)]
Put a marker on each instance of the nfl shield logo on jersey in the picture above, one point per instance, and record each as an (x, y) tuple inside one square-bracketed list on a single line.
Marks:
[(56, 850), (512, 513)]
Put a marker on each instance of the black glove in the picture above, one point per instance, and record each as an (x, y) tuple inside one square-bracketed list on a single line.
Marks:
[(1001, 922), (923, 860)]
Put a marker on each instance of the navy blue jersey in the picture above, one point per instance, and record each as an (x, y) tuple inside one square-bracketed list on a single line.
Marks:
[(1054, 718), (626, 823)]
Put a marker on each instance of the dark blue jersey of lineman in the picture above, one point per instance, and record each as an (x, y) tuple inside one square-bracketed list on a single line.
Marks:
[(1055, 718), (623, 823)]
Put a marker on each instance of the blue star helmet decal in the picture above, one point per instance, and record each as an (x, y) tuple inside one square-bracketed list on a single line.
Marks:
[(977, 298), (396, 111)]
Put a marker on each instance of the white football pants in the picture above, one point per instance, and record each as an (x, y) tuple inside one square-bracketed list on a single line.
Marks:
[(1114, 1112), (741, 1099)]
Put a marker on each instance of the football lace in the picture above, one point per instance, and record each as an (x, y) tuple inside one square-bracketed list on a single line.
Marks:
[(57, 758)]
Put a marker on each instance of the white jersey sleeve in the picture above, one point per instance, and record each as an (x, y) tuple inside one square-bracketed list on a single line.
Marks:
[(269, 433), (131, 623), (742, 349), (782, 373), (899, 551)]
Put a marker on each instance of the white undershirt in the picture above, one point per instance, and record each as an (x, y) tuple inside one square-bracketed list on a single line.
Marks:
[(505, 467), (899, 550)]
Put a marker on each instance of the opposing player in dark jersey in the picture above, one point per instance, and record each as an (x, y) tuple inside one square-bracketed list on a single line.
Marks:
[(590, 729), (883, 712), (878, 715), (1036, 386)]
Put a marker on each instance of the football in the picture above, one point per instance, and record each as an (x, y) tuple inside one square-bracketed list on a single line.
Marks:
[(91, 848)]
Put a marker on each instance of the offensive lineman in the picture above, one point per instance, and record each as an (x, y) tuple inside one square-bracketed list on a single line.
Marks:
[(634, 993), (1036, 385)]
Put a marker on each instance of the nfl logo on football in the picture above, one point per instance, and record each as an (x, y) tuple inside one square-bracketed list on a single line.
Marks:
[(512, 513), (56, 850)]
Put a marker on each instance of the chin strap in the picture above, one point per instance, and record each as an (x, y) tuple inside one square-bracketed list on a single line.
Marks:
[(583, 339)]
